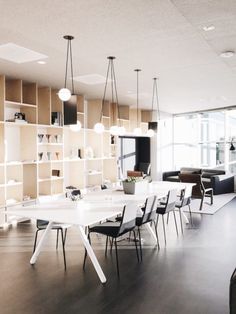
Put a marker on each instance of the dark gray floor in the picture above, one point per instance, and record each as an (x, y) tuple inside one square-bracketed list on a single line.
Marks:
[(190, 275)]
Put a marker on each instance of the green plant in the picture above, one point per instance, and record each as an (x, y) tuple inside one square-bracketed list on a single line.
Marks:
[(133, 179)]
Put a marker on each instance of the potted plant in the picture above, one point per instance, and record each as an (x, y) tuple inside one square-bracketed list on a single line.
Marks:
[(134, 185)]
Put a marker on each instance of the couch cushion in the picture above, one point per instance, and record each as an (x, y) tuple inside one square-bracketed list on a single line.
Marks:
[(207, 173), (186, 170), (173, 178)]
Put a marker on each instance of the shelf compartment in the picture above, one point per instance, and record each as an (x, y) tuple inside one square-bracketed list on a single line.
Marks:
[(2, 96), (80, 104), (14, 193), (2, 175), (13, 90), (29, 93), (56, 106), (44, 188), (94, 141), (74, 141), (57, 187), (74, 174), (29, 111), (110, 170), (14, 172), (30, 181), (2, 144), (44, 105), (21, 144)]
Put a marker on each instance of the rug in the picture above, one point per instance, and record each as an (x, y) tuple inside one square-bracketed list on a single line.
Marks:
[(218, 202)]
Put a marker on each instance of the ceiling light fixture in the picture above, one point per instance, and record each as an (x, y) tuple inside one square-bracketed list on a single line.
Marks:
[(41, 62), (137, 130), (114, 129), (76, 127), (227, 54), (208, 28), (64, 93), (150, 131)]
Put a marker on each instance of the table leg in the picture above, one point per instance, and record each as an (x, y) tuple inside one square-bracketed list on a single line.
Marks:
[(149, 228), (41, 244), (92, 255), (185, 217)]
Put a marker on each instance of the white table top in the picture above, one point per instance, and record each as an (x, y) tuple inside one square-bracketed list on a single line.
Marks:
[(94, 207)]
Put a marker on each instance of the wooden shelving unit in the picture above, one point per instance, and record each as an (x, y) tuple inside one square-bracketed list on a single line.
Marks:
[(40, 158)]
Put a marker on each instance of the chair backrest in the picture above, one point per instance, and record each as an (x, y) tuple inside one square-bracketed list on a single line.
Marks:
[(149, 208), (186, 200), (41, 223), (128, 220), (171, 200), (132, 173), (198, 188)]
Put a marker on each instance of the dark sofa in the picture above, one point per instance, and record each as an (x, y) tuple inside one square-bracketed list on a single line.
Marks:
[(211, 178)]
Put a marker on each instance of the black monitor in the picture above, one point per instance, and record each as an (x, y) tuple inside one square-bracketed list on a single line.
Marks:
[(70, 111)]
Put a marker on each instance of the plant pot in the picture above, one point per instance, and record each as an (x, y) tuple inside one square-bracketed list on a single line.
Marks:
[(138, 187)]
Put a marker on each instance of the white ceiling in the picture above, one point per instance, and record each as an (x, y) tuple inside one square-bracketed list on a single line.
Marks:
[(164, 38)]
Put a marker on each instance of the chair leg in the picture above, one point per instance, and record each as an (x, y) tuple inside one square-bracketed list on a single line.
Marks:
[(65, 237), (176, 227), (164, 228), (211, 197), (111, 244), (136, 247), (201, 202), (190, 213), (140, 244), (57, 238), (85, 253), (181, 220), (35, 240), (63, 247), (117, 261), (106, 246), (158, 243), (168, 216)]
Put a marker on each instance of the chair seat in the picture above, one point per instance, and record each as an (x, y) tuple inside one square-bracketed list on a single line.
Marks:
[(107, 228), (161, 210), (178, 204), (208, 190), (55, 226), (147, 218)]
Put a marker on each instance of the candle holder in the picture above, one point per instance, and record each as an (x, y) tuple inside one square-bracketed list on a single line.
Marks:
[(40, 156), (48, 136), (40, 137), (49, 155)]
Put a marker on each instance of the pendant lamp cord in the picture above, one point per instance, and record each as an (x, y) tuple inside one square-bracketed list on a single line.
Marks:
[(155, 93), (104, 94), (137, 70), (71, 68), (116, 94), (67, 57)]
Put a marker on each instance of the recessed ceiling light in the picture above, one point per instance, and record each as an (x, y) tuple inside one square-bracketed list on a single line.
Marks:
[(227, 54), (91, 79), (208, 28), (41, 62), (18, 54)]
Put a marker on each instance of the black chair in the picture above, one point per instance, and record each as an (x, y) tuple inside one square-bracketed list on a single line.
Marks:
[(62, 228), (165, 208), (148, 216), (116, 229), (198, 190)]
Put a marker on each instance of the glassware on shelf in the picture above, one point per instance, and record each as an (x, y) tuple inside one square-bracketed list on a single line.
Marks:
[(56, 138), (48, 136), (57, 155), (49, 155), (40, 137), (40, 156)]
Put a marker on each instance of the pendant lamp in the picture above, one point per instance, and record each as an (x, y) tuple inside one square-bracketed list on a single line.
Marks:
[(151, 131), (64, 93), (137, 130), (110, 76)]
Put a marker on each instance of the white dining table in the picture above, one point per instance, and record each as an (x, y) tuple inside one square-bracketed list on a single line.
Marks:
[(93, 208)]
